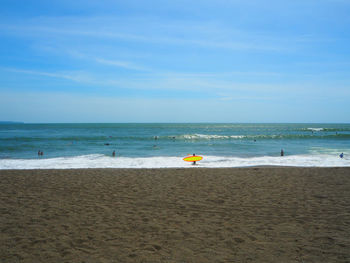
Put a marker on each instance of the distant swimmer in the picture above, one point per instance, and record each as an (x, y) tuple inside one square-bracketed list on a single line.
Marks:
[(113, 154), (156, 137), (282, 152), (39, 153), (341, 155), (107, 144)]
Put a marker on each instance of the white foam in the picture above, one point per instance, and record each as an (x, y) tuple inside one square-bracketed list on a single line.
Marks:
[(211, 136), (315, 129), (102, 161)]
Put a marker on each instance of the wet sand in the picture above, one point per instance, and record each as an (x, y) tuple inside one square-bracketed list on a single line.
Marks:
[(265, 214)]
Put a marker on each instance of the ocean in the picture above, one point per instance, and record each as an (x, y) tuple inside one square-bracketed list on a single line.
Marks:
[(139, 145)]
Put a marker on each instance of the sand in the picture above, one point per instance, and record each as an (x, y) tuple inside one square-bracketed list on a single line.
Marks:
[(264, 214)]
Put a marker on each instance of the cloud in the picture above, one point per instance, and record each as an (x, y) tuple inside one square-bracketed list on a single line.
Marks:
[(205, 34), (73, 76), (121, 64), (41, 73), (68, 107), (220, 86), (226, 98)]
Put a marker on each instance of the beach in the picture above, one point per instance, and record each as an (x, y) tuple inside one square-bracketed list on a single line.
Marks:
[(256, 214)]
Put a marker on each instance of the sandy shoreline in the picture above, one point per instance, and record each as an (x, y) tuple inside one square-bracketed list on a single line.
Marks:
[(259, 214)]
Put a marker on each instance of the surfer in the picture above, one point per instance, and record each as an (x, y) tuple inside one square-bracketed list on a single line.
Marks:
[(341, 155), (194, 161), (282, 152)]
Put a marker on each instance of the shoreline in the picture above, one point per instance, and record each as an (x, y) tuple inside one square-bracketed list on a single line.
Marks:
[(180, 168), (103, 161), (249, 214)]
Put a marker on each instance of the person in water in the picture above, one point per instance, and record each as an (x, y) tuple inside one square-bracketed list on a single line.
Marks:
[(282, 152), (341, 155), (113, 154)]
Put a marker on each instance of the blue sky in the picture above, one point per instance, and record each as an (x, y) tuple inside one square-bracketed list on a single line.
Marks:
[(175, 61)]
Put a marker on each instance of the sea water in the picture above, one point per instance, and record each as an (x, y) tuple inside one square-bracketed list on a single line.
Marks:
[(164, 145)]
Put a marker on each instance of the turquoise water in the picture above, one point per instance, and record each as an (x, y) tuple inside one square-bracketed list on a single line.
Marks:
[(23, 141)]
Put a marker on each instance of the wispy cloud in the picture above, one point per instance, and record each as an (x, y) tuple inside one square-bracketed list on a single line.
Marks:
[(91, 58), (41, 73), (73, 76), (212, 84), (199, 34), (121, 64)]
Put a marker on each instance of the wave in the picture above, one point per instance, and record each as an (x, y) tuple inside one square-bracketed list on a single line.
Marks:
[(261, 136), (58, 138), (103, 161), (324, 129), (315, 129), (209, 136), (33, 141)]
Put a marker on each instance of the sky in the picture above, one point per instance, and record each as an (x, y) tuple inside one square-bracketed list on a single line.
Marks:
[(175, 61)]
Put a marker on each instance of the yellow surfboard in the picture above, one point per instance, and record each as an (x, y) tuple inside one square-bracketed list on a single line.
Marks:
[(192, 158)]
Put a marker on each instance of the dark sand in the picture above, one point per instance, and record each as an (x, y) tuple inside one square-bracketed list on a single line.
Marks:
[(175, 215)]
